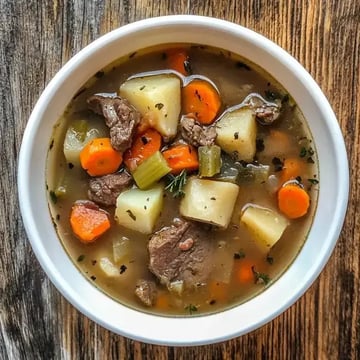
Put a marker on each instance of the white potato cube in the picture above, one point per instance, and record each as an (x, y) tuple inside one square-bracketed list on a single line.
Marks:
[(236, 133), (139, 209), (265, 225), (209, 201), (158, 98)]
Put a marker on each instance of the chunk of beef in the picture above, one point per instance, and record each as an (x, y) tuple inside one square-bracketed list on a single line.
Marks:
[(146, 291), (181, 252), (105, 189), (120, 117), (196, 134), (266, 112)]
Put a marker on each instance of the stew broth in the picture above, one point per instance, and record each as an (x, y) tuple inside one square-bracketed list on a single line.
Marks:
[(235, 249)]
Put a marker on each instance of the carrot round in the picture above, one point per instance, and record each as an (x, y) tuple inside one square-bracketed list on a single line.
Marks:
[(88, 221), (292, 168), (202, 99), (178, 60), (98, 157), (293, 201), (242, 271), (144, 145), (181, 157)]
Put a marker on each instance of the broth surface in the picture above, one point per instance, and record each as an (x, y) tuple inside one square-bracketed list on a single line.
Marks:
[(235, 78)]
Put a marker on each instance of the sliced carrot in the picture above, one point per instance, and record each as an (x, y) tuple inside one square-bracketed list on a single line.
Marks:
[(88, 221), (218, 291), (293, 201), (242, 271), (181, 157), (202, 99), (162, 301), (144, 145), (292, 168), (280, 137), (98, 157), (178, 60)]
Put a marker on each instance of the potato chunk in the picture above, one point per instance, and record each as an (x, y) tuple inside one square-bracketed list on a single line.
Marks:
[(265, 225), (236, 133), (158, 98), (139, 209), (209, 201)]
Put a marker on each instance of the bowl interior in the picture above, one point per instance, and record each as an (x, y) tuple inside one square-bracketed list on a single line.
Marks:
[(331, 204)]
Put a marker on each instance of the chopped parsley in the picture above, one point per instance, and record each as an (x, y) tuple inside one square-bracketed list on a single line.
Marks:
[(80, 258), (93, 277), (142, 88), (270, 259), (236, 135), (53, 196), (176, 184), (303, 152), (260, 278), (278, 164), (191, 308), (187, 67), (159, 106), (123, 268), (131, 214), (313, 181), (239, 255)]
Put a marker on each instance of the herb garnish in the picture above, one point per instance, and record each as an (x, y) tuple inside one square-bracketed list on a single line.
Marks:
[(239, 255), (260, 278), (53, 196), (313, 181), (191, 308), (176, 184), (122, 269), (278, 164), (131, 214), (236, 135), (270, 259), (80, 258), (159, 106)]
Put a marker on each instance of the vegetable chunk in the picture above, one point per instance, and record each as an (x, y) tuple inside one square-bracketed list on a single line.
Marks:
[(139, 209), (157, 98), (209, 201), (88, 221), (237, 133), (77, 136), (265, 225)]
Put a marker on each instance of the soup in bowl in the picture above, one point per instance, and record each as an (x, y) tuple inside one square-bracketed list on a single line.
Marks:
[(181, 185)]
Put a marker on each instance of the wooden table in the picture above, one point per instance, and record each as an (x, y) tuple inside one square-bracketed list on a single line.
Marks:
[(36, 39)]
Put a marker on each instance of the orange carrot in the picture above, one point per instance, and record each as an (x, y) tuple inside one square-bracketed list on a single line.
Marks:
[(144, 145), (293, 201), (292, 168), (218, 291), (88, 221), (181, 157), (242, 271), (202, 99), (99, 158), (162, 301), (178, 60)]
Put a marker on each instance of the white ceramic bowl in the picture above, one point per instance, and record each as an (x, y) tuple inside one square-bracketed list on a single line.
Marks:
[(239, 320)]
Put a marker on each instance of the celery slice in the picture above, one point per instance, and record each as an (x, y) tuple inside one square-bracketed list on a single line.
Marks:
[(209, 160), (151, 170)]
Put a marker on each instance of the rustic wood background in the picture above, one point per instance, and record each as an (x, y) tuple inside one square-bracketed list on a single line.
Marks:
[(36, 39)]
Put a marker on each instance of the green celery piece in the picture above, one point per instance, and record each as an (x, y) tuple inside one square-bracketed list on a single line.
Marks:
[(151, 170), (209, 160)]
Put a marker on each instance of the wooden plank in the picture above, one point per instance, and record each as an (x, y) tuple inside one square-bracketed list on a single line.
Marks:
[(36, 39)]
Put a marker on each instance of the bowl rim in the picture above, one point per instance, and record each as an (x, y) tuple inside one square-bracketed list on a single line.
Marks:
[(183, 329)]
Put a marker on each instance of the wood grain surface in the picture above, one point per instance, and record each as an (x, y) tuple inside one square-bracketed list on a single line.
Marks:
[(36, 39)]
